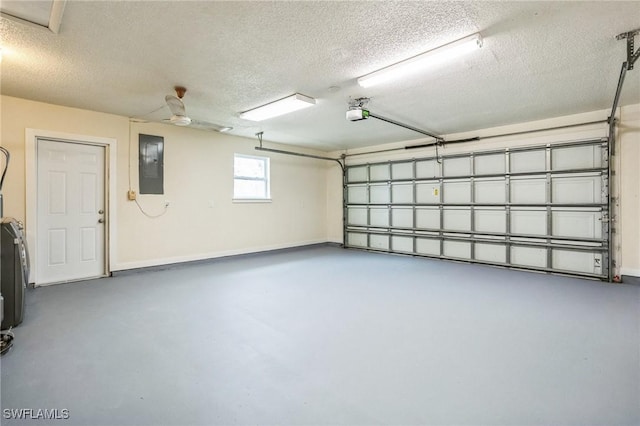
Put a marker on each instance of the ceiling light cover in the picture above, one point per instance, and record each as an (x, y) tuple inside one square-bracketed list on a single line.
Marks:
[(422, 61), (279, 107)]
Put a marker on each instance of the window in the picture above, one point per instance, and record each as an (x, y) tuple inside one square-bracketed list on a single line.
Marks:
[(250, 178)]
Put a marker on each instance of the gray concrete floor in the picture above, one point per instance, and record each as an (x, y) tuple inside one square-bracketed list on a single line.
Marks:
[(324, 335)]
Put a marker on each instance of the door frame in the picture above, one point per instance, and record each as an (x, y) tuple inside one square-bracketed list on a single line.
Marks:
[(31, 185)]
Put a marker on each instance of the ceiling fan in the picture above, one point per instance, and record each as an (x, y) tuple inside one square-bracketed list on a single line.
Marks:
[(180, 118)]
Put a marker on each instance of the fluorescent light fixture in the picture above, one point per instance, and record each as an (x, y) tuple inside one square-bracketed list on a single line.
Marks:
[(422, 61), (279, 107)]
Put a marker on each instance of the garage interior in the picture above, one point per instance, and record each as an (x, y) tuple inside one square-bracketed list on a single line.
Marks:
[(459, 245)]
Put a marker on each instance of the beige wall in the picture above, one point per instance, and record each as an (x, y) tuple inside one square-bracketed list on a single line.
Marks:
[(628, 218), (202, 221), (626, 185)]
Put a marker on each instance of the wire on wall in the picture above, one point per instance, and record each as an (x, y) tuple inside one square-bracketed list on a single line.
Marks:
[(151, 216)]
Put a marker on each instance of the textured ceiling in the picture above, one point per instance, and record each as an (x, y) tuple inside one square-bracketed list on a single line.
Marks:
[(35, 12), (539, 60)]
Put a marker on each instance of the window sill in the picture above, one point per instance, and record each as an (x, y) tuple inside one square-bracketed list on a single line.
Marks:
[(251, 200)]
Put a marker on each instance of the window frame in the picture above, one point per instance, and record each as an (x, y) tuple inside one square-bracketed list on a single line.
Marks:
[(266, 179)]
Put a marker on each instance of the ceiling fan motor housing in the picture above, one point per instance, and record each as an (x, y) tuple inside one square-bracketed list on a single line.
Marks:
[(180, 120)]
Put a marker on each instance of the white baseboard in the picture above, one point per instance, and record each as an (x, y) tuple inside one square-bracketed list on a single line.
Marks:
[(123, 266), (630, 272)]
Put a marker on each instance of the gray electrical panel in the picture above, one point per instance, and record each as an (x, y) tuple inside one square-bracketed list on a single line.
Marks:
[(151, 164)]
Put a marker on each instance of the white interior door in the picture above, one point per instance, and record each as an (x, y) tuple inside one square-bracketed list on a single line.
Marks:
[(70, 211)]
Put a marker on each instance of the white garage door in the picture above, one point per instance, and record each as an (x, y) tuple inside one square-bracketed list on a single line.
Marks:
[(542, 208)]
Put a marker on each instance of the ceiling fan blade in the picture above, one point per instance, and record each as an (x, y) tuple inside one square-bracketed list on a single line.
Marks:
[(204, 125), (175, 105)]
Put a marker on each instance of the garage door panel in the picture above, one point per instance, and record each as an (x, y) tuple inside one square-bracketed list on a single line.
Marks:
[(428, 192), (495, 253), (529, 256), (581, 189), (379, 194), (402, 193), (379, 172), (357, 216), (427, 218), (528, 161), (577, 157), (490, 191), (428, 246), (457, 249), (528, 222), (379, 242), (427, 169), (402, 244), (577, 224), (457, 220), (402, 171), (357, 174), (529, 191), (577, 261), (357, 194), (379, 217), (402, 217), (457, 192), (357, 239), (489, 164), (491, 221), (456, 166)]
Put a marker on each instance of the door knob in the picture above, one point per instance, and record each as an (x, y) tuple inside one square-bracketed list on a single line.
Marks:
[(101, 220)]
